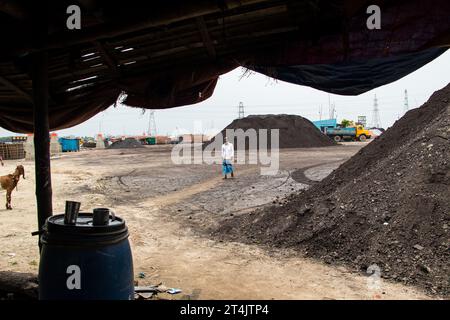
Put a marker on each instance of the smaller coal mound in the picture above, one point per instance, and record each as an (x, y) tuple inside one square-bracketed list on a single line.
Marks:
[(295, 131), (128, 143)]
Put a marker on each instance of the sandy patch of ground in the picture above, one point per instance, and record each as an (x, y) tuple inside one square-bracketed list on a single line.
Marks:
[(166, 208)]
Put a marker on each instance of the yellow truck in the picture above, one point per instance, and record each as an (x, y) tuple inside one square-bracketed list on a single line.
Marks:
[(356, 133)]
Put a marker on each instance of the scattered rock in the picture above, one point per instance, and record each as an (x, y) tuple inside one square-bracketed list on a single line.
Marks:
[(424, 268)]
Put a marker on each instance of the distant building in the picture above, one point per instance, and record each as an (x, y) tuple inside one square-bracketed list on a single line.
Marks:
[(19, 139), (162, 140), (362, 120), (193, 138)]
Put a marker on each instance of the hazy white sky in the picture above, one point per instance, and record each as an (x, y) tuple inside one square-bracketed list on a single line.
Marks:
[(262, 95)]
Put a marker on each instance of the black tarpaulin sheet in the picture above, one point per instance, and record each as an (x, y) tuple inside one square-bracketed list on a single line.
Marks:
[(353, 77)]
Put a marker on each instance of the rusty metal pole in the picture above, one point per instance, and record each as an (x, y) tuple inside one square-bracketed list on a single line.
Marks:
[(41, 138)]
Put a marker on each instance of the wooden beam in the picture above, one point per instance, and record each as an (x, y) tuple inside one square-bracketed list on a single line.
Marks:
[(15, 88), (205, 37), (41, 138), (13, 9), (88, 4), (109, 60), (165, 15)]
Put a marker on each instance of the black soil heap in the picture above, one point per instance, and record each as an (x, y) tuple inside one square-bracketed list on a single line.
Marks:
[(127, 143), (388, 205), (295, 131)]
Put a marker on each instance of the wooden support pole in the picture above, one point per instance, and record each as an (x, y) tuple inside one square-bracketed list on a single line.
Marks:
[(41, 138)]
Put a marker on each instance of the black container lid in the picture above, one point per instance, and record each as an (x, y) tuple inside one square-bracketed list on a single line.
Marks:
[(83, 232)]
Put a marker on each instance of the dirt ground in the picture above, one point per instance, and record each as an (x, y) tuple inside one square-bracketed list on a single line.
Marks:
[(169, 208)]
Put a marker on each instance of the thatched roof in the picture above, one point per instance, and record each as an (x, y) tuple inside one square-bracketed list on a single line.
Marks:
[(172, 52)]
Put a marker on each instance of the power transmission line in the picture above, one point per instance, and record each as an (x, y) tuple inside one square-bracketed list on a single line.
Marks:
[(332, 111), (376, 114), (406, 104), (151, 124), (241, 110)]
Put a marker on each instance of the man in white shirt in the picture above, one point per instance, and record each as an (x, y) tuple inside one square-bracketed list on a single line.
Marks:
[(227, 158)]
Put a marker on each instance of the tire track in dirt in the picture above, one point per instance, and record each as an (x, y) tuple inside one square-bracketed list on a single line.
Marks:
[(185, 193), (206, 185), (299, 175)]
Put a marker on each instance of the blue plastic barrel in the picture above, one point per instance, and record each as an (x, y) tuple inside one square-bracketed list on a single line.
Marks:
[(85, 262)]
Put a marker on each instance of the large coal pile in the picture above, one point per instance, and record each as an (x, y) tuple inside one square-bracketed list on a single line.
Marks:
[(127, 143), (388, 205), (295, 131)]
